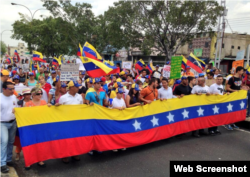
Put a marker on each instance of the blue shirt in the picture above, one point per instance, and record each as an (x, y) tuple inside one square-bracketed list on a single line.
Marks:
[(50, 80), (91, 96), (105, 87), (52, 92)]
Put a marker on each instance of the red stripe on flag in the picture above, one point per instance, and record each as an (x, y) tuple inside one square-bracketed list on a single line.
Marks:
[(39, 59), (54, 150), (195, 67)]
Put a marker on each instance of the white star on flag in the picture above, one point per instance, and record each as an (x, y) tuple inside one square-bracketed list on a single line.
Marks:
[(230, 107), (242, 105), (185, 114), (170, 117), (216, 109), (154, 121), (200, 112), (137, 125)]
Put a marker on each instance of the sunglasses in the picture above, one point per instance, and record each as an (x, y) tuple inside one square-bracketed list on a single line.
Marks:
[(11, 89), (38, 94)]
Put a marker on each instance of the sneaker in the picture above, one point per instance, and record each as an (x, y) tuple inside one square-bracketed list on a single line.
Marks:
[(115, 150), (217, 132), (4, 169), (212, 133), (91, 153), (228, 127), (234, 126), (10, 164), (123, 149)]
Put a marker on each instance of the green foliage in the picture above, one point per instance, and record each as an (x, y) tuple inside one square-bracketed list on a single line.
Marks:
[(3, 48)]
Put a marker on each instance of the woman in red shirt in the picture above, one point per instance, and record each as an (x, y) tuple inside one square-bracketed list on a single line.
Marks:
[(45, 86)]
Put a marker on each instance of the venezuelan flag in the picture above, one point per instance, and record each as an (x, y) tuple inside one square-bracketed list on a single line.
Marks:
[(139, 64), (103, 129), (201, 63), (32, 68), (9, 60), (56, 61), (150, 67), (79, 51), (37, 56), (18, 58), (96, 68), (61, 58), (193, 63), (90, 52)]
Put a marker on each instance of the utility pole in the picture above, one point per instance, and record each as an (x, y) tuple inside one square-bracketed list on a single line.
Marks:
[(220, 34)]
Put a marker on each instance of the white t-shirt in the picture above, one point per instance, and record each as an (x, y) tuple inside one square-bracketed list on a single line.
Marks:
[(228, 77), (216, 89), (68, 99), (142, 79), (125, 92), (118, 103), (165, 93), (199, 89), (215, 76), (7, 105)]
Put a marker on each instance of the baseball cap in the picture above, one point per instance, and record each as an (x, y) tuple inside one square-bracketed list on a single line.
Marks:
[(122, 73), (73, 83), (118, 85), (97, 80), (188, 67), (14, 72), (16, 77), (63, 85), (53, 72), (103, 79), (157, 66), (119, 90), (136, 87), (168, 62), (82, 73), (177, 81), (5, 73), (147, 77), (119, 80), (31, 74), (183, 77), (26, 91), (201, 74)]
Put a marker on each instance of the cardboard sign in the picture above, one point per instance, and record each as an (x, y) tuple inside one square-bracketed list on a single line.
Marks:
[(175, 72), (237, 63), (20, 88), (166, 71), (26, 68), (69, 71), (127, 64)]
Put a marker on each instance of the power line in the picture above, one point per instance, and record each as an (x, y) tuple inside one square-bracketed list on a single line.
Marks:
[(238, 18)]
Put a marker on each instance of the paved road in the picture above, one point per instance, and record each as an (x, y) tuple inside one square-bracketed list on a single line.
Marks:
[(149, 160)]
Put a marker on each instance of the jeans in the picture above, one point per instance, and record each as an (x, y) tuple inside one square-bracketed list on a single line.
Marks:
[(8, 134), (248, 102)]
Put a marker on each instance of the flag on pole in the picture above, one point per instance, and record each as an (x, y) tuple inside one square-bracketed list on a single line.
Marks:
[(79, 51), (150, 67), (139, 64), (90, 52), (17, 59), (193, 63), (37, 56)]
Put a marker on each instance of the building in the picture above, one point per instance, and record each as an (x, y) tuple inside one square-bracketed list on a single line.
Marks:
[(21, 50)]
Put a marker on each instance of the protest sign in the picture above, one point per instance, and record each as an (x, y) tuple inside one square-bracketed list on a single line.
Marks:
[(157, 75), (69, 71), (175, 72), (166, 71), (25, 68), (237, 63), (20, 88), (240, 55), (126, 64)]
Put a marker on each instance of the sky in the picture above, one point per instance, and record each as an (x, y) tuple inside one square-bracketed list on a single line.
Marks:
[(238, 14)]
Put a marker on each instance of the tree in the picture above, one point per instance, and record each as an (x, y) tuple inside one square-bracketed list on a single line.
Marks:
[(164, 25), (3, 48)]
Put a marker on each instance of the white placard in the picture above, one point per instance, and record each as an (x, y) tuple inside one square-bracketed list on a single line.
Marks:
[(157, 75), (166, 71), (26, 68), (127, 64), (69, 71), (81, 67), (20, 88)]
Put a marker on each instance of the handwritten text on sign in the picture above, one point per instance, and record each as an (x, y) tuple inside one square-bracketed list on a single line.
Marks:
[(166, 71), (69, 71)]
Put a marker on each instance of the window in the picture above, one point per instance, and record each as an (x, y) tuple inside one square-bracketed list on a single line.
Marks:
[(223, 46), (206, 44), (215, 44), (239, 47), (232, 47), (21, 47)]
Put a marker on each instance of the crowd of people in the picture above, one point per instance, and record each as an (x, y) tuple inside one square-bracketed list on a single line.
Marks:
[(129, 88)]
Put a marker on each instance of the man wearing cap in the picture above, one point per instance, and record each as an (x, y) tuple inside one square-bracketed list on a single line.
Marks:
[(114, 77), (104, 85), (8, 125), (51, 78), (4, 77), (71, 98), (96, 96), (123, 75), (156, 73), (146, 82), (118, 102), (82, 77), (150, 93), (182, 89)]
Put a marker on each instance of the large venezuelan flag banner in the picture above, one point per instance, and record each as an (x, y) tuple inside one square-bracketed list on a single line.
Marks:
[(81, 128)]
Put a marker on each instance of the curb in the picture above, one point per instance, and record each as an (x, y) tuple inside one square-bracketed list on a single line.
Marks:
[(12, 173)]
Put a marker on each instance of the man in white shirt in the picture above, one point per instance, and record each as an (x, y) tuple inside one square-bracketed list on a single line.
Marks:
[(8, 125), (71, 98), (165, 92), (200, 89), (217, 89), (118, 102)]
